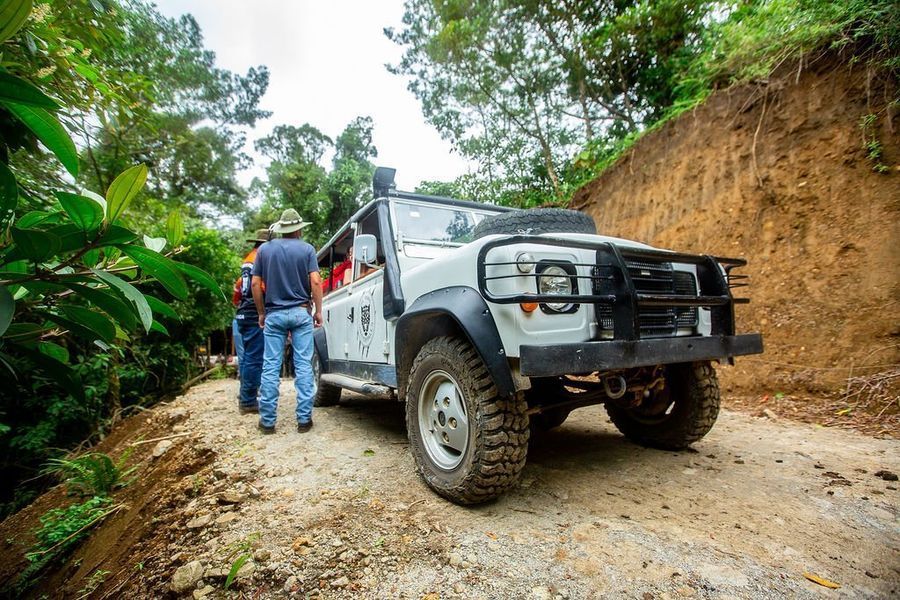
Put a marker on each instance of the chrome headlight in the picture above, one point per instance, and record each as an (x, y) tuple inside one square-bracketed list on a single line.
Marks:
[(554, 279)]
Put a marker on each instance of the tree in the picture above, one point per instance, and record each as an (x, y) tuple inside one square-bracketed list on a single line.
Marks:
[(296, 179), (520, 86)]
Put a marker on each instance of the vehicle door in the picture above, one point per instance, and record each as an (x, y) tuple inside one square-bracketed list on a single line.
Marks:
[(368, 336)]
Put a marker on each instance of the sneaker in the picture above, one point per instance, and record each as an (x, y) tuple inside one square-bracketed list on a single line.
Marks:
[(246, 410), (304, 427), (266, 430)]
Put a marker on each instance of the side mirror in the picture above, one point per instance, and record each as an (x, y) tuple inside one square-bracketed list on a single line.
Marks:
[(365, 249)]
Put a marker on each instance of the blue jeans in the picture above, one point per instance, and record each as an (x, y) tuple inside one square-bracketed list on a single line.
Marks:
[(238, 342), (251, 365), (278, 323)]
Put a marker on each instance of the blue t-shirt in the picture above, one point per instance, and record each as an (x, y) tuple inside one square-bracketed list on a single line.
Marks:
[(285, 264)]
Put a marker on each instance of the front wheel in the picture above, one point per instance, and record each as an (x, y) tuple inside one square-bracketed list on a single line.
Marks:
[(468, 442), (677, 416)]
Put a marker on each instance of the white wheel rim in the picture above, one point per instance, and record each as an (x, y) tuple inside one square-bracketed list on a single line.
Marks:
[(443, 420)]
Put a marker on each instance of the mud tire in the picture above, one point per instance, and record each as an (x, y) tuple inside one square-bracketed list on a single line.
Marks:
[(326, 395), (535, 221), (497, 431), (695, 391)]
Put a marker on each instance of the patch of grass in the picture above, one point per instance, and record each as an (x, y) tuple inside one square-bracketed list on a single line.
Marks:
[(60, 531), (93, 582), (871, 144), (92, 474), (755, 39)]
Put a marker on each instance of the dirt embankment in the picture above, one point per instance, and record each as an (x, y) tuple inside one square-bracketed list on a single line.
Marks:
[(777, 173)]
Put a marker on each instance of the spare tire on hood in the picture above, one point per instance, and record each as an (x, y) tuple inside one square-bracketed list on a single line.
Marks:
[(534, 221)]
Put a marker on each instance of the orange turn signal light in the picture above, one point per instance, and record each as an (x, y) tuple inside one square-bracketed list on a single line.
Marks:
[(529, 306)]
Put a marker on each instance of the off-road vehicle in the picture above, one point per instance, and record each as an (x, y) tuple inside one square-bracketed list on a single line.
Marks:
[(490, 322)]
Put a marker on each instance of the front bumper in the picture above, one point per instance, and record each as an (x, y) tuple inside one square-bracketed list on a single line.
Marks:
[(547, 360)]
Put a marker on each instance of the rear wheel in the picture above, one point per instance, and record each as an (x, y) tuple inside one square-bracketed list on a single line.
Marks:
[(679, 415), (469, 443), (326, 395)]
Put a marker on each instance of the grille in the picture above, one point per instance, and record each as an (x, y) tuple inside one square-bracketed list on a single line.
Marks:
[(653, 278)]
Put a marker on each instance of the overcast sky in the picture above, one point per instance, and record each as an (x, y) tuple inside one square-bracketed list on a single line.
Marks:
[(326, 62)]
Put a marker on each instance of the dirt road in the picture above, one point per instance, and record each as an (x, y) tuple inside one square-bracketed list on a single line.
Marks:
[(340, 510)]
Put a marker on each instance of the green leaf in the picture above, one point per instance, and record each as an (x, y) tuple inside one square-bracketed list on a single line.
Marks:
[(37, 217), (201, 277), (15, 89), (123, 190), (71, 237), (158, 266), (109, 302), (159, 328), (12, 16), (91, 258), (161, 308), (9, 196), (54, 351), (155, 244), (100, 325), (84, 212), (130, 292), (7, 309), (34, 244), (23, 331), (116, 234), (47, 129), (175, 228), (51, 368), (75, 327), (232, 573)]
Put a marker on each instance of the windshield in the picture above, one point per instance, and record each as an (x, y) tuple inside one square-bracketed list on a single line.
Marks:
[(437, 223)]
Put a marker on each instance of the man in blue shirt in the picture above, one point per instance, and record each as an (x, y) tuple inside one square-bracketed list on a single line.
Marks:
[(292, 302)]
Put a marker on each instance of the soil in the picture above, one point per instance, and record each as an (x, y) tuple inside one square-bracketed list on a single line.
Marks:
[(776, 172), (339, 512)]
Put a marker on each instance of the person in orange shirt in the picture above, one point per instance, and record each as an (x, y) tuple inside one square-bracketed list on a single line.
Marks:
[(248, 336)]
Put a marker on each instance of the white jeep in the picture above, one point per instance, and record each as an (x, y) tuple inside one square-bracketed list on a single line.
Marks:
[(490, 323)]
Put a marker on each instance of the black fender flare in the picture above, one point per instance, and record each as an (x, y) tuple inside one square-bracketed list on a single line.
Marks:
[(320, 343), (469, 311)]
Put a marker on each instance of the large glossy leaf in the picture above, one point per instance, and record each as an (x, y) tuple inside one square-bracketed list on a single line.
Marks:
[(12, 16), (175, 228), (51, 368), (71, 237), (201, 277), (155, 243), (54, 351), (100, 327), (116, 234), (84, 212), (37, 217), (18, 90), (7, 309), (161, 268), (34, 244), (161, 308), (159, 328), (123, 189), (23, 331), (109, 302), (130, 292), (47, 129), (9, 196)]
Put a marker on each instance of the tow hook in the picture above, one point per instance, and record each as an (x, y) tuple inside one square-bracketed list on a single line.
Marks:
[(615, 386)]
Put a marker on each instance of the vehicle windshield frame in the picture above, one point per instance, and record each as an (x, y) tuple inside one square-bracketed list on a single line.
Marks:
[(406, 238)]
